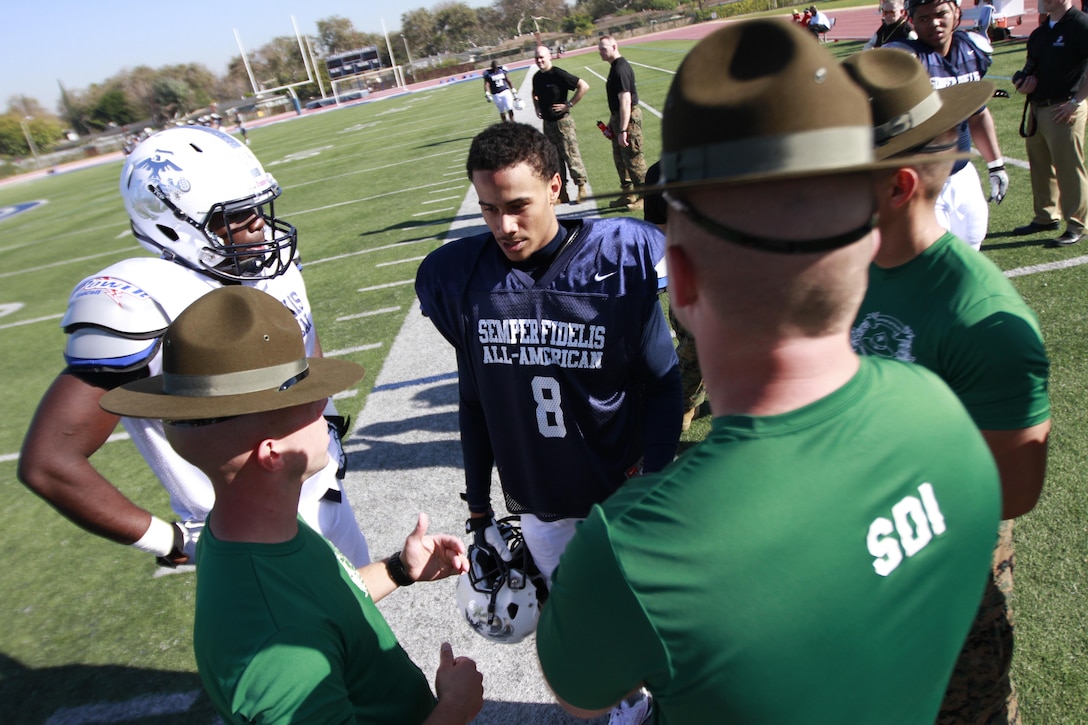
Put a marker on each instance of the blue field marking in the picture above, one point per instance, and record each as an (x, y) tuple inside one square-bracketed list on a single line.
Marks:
[(7, 212)]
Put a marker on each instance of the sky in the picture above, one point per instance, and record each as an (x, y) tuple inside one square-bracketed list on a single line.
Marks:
[(81, 42)]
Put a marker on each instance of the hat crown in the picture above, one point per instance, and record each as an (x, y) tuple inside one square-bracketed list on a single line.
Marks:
[(894, 80), (231, 330), (763, 81), (907, 111)]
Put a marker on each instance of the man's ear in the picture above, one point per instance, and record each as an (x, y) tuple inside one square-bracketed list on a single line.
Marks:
[(554, 186), (268, 455), (683, 279), (900, 187)]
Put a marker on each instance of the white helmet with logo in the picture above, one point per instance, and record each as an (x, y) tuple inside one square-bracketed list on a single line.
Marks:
[(181, 183), (501, 600)]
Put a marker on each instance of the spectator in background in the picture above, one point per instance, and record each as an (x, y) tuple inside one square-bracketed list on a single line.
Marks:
[(985, 18), (895, 25), (1055, 80), (818, 22)]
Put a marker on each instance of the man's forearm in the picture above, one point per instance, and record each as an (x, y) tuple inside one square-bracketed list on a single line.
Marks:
[(984, 135)]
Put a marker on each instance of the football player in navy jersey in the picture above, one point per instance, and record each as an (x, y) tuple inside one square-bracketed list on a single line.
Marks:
[(568, 378), (953, 56)]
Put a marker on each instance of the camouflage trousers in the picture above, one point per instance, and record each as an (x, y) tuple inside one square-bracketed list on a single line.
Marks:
[(563, 134), (691, 377), (630, 163), (980, 691)]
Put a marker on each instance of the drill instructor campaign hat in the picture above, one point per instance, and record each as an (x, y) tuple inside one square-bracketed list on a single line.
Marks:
[(907, 112), (234, 351), (762, 100)]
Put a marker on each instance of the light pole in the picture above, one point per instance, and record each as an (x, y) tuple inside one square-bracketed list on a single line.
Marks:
[(30, 141)]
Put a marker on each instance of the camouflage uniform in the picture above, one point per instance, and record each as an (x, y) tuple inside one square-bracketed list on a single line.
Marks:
[(691, 377), (630, 163), (980, 691), (563, 134)]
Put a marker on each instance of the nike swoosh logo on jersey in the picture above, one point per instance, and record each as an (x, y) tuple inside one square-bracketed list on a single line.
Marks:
[(602, 277)]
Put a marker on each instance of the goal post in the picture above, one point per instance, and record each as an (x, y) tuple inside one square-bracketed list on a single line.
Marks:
[(364, 84)]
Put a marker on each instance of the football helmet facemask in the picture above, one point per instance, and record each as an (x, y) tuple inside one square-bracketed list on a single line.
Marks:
[(183, 184), (501, 600)]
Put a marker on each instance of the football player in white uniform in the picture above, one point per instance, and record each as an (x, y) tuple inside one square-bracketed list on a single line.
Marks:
[(202, 201)]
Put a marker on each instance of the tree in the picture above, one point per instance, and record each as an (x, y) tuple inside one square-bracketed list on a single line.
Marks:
[(14, 127), (455, 26), (170, 98), (336, 35), (113, 108), (26, 106), (489, 22), (515, 11), (418, 29)]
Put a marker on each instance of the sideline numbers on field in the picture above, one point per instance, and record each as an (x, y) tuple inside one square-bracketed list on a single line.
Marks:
[(6, 212), (359, 127)]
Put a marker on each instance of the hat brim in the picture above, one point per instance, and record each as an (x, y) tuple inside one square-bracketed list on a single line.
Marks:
[(958, 103), (146, 399), (878, 165)]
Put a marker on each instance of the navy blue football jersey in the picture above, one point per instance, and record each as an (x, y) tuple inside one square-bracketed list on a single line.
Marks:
[(497, 80), (554, 367), (968, 60)]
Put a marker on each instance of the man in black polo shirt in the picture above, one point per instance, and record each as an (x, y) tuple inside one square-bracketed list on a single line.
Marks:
[(1054, 80), (550, 88), (625, 123)]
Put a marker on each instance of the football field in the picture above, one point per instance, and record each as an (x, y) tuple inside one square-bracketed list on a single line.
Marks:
[(90, 634)]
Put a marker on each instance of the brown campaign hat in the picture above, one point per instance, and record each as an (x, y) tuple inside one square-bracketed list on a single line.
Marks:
[(760, 100), (234, 351), (907, 111)]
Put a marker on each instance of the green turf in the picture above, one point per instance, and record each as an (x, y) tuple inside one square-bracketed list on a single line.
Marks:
[(84, 622)]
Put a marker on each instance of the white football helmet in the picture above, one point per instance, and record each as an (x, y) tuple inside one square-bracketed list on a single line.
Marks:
[(180, 183), (501, 600)]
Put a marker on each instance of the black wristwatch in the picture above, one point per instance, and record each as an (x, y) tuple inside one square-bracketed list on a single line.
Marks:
[(397, 572)]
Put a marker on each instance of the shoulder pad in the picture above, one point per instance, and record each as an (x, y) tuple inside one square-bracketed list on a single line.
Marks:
[(112, 324), (981, 42)]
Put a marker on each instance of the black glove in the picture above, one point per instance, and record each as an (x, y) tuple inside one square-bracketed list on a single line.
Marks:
[(486, 534)]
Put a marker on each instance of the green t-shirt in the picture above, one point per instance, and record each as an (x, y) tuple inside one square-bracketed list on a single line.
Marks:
[(288, 633), (953, 311), (820, 566)]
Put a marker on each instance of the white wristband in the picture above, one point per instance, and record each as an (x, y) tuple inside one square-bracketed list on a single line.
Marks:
[(158, 539), (998, 162)]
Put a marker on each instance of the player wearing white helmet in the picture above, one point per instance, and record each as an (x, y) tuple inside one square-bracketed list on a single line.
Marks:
[(201, 201)]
